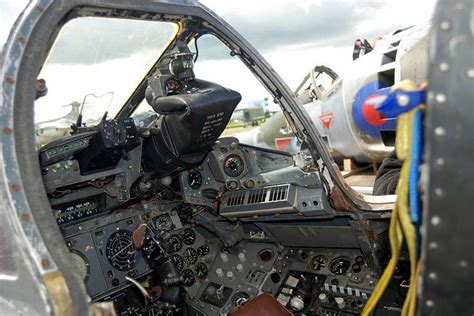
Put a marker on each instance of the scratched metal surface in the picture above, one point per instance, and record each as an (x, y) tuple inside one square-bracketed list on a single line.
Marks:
[(447, 286)]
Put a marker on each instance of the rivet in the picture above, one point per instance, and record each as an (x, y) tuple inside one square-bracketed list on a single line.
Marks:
[(10, 80), (7, 130), (24, 217), (435, 220), (443, 66), (440, 161), (440, 98), (433, 245), (445, 25), (45, 263), (430, 96), (429, 303), (22, 39), (440, 131), (403, 99), (433, 276), (470, 72), (16, 187), (463, 264), (459, 5), (438, 192)]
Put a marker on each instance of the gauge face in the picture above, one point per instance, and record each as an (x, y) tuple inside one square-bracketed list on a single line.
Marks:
[(173, 86), (178, 260), (190, 256), (203, 250), (187, 277), (201, 270), (82, 264), (232, 185), (163, 222), (194, 179), (339, 266), (115, 132), (233, 165), (120, 251), (240, 299), (189, 236), (174, 243), (319, 262), (356, 268)]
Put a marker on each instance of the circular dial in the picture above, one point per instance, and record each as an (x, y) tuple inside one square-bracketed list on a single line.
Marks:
[(356, 268), (240, 299), (339, 266), (189, 236), (178, 260), (82, 264), (190, 256), (194, 179), (233, 165), (201, 270), (120, 251), (232, 185), (163, 222), (319, 262), (203, 250), (115, 132), (187, 277), (174, 243), (173, 86)]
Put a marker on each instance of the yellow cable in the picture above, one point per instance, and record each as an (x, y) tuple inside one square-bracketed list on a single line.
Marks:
[(400, 224), (396, 239), (411, 311)]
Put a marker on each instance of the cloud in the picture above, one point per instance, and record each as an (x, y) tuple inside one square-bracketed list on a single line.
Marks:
[(292, 35), (280, 24), (268, 25)]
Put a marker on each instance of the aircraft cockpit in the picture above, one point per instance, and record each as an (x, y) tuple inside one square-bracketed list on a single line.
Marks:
[(143, 193)]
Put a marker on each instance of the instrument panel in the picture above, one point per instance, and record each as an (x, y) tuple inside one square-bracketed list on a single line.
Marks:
[(234, 181), (104, 253), (240, 181)]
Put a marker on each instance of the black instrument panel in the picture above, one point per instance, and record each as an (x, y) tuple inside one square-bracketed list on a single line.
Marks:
[(231, 166), (79, 210), (104, 251)]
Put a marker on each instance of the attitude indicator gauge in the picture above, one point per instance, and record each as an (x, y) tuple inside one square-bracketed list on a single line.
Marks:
[(120, 250)]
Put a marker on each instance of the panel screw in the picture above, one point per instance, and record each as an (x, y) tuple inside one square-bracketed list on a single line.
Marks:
[(16, 187), (7, 130), (24, 217), (403, 99), (45, 263)]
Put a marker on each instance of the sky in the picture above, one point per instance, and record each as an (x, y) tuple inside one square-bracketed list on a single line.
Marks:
[(292, 35)]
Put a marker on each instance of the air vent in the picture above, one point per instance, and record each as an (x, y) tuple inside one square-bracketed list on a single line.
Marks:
[(395, 44), (236, 198), (257, 196), (389, 56), (387, 77), (278, 193), (271, 200)]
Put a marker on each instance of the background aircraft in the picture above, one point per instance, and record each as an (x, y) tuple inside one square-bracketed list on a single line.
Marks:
[(342, 108)]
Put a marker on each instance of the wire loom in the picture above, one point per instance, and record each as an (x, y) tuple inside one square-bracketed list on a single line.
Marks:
[(405, 217)]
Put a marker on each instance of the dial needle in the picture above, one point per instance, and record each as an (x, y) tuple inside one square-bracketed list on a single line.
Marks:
[(122, 249)]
